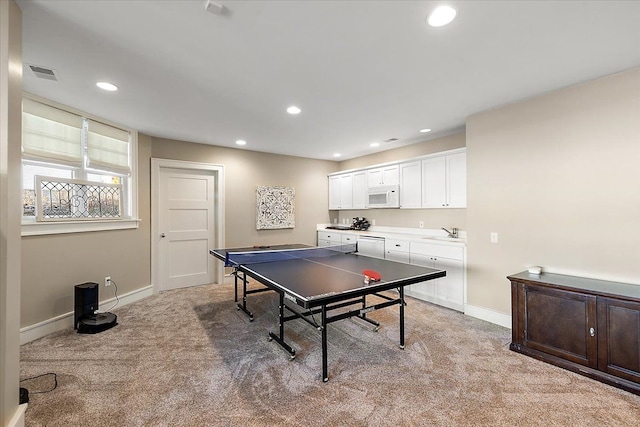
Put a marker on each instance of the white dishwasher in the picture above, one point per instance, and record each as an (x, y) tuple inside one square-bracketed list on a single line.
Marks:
[(371, 246)]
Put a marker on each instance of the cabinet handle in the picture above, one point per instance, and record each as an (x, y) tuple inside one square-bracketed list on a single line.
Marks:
[(397, 245), (592, 332)]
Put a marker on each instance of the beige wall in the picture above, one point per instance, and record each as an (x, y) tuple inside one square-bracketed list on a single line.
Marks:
[(432, 218), (10, 143), (53, 264), (557, 177), (244, 171)]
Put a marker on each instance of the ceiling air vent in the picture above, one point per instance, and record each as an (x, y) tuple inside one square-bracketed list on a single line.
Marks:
[(43, 73), (390, 140)]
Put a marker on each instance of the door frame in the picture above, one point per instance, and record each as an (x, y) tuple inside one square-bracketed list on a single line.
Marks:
[(218, 228)]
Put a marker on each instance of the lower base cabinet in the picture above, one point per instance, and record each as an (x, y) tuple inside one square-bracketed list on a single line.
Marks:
[(447, 291), (588, 326)]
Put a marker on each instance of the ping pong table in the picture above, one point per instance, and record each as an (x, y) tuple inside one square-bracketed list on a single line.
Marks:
[(326, 280)]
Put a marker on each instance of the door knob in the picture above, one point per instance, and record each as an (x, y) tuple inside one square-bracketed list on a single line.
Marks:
[(163, 235)]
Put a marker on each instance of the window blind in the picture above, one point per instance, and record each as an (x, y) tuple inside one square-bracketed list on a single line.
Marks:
[(50, 134), (108, 148)]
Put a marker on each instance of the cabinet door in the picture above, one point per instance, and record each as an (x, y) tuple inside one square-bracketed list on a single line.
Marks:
[(434, 183), (388, 175), (450, 289), (456, 166), (341, 191), (360, 190), (561, 323), (619, 338), (423, 290), (346, 191), (334, 192), (411, 185)]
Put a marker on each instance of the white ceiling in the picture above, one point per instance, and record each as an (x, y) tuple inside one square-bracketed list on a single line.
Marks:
[(361, 71)]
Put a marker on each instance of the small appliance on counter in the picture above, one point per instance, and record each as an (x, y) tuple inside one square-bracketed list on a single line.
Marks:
[(360, 223), (338, 227)]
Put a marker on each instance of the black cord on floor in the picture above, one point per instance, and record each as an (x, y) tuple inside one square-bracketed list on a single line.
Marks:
[(55, 382)]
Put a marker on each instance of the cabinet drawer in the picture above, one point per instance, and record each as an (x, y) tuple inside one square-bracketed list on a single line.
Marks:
[(445, 251), (396, 245), (333, 237), (347, 239)]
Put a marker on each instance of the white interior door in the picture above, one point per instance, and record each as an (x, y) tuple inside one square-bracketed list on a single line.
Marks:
[(186, 227)]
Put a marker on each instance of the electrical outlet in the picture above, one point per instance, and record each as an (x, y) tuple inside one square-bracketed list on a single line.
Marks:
[(494, 237), (335, 220), (421, 224), (373, 222), (107, 281)]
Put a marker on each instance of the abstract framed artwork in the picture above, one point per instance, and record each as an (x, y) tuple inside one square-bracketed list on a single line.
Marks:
[(275, 208)]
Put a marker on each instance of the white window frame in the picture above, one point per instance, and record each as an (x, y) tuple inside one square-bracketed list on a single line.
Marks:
[(31, 227)]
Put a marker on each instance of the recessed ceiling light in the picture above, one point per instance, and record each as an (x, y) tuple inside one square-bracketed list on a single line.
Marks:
[(107, 86), (441, 16), (425, 130), (374, 144), (293, 110), (241, 142), (337, 154)]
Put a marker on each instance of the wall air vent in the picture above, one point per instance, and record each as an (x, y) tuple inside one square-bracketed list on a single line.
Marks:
[(390, 140), (43, 73)]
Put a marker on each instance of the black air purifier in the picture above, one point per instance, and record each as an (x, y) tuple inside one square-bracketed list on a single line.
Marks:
[(85, 319)]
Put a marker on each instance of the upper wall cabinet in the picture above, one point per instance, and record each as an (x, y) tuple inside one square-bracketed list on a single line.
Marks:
[(410, 185), (360, 190), (444, 181), (341, 191), (434, 181), (388, 175)]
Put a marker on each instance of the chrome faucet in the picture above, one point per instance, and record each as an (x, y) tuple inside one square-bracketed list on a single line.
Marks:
[(453, 233)]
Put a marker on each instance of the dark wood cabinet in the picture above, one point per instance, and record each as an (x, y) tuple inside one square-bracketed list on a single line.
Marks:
[(588, 326)]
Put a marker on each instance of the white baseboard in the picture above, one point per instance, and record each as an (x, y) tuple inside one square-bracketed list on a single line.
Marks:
[(488, 315), (63, 321), (18, 418)]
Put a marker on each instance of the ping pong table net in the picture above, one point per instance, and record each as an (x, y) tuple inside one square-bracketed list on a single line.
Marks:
[(262, 256)]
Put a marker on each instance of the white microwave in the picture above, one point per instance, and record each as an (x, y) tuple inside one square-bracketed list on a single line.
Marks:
[(387, 196)]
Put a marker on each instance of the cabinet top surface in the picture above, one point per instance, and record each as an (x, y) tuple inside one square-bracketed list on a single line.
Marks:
[(595, 286)]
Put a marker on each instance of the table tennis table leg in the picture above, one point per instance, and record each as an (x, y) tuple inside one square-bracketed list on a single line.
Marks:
[(364, 315), (401, 291), (243, 307), (280, 338), (325, 374)]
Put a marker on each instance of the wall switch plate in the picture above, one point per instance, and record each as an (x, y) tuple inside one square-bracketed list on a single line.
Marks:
[(421, 224), (494, 237), (335, 220)]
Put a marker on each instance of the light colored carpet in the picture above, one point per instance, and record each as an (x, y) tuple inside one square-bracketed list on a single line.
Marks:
[(189, 358)]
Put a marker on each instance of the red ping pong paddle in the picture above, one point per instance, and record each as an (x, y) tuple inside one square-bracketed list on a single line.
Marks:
[(374, 276)]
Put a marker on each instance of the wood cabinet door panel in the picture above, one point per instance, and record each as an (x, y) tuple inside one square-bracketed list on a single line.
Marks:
[(619, 338), (559, 323)]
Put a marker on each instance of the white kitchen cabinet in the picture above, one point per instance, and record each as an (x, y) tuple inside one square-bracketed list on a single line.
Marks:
[(341, 191), (330, 238), (396, 250), (411, 185), (326, 238), (444, 181), (387, 175), (447, 291), (348, 239), (360, 186)]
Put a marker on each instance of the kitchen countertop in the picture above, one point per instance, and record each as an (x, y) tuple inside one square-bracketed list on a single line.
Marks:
[(421, 235)]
